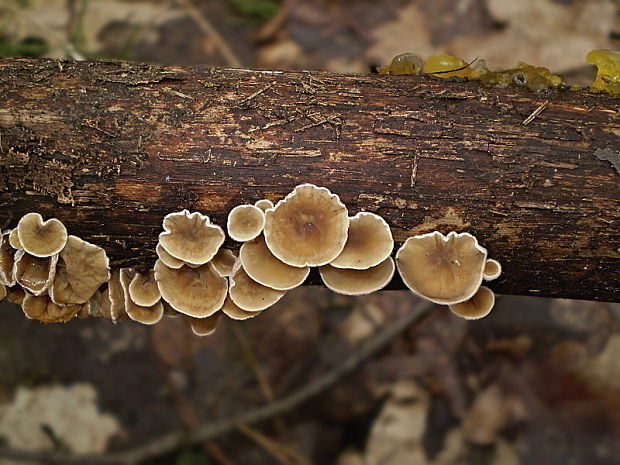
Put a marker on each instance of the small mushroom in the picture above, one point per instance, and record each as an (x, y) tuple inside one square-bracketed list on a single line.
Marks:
[(245, 222), (264, 204), (232, 311), (369, 243), (358, 282), (7, 261), (35, 274), (143, 289), (264, 268), (480, 305), (492, 270), (3, 292), (116, 297), (308, 227), (42, 308), (41, 238), (16, 295), (249, 295), (191, 237), (145, 314), (197, 292), (224, 261), (443, 269), (204, 326), (82, 268), (14, 239), (168, 259)]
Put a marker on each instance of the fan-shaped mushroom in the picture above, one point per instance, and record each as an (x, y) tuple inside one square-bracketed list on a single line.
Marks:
[(35, 274), (191, 237), (14, 239), (197, 292), (204, 326), (369, 242), (308, 227), (145, 314), (224, 261), (245, 222), (7, 261), (143, 289), (41, 238), (249, 295), (81, 269), (358, 282), (264, 268), (492, 270), (232, 311), (478, 306), (443, 269), (42, 308), (264, 204)]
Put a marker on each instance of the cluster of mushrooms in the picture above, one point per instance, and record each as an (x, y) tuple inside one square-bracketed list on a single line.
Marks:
[(56, 277)]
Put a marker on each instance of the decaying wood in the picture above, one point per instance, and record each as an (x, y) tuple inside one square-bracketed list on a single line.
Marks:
[(110, 148)]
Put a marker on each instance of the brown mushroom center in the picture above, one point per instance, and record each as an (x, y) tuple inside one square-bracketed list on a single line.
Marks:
[(307, 223)]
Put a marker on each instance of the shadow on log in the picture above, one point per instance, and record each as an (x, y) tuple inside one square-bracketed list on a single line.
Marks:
[(110, 148)]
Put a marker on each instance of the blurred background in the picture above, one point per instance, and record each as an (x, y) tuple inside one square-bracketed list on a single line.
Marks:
[(535, 382)]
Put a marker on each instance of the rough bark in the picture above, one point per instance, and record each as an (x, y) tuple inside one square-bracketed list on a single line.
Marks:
[(110, 148)]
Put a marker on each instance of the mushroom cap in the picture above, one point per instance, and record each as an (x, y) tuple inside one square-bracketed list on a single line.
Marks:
[(191, 237), (42, 308), (492, 270), (232, 311), (143, 289), (249, 295), (245, 222), (264, 204), (145, 314), (443, 269), (35, 274), (2, 292), (100, 303), (204, 326), (358, 282), (168, 259), (308, 227), (369, 243), (478, 306), (41, 238), (81, 269), (7, 261), (197, 292), (264, 268), (224, 261), (16, 295), (116, 297), (14, 239)]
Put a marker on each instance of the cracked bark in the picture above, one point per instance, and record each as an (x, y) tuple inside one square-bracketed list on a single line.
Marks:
[(110, 148)]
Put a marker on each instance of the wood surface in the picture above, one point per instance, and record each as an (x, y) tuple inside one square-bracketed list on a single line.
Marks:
[(109, 148)]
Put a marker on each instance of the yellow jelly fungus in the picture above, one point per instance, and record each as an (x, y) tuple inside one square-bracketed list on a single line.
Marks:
[(533, 77), (446, 66), (403, 64), (607, 63)]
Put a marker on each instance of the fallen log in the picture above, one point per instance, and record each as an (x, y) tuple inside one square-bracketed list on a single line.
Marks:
[(109, 148)]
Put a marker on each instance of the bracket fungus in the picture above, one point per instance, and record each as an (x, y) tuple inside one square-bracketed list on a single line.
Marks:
[(42, 308), (82, 267), (197, 292), (478, 306), (264, 268), (16, 295), (168, 259), (443, 269), (492, 270), (358, 282), (249, 295), (369, 242), (3, 292), (34, 274), (308, 227), (7, 261), (191, 237), (14, 239), (143, 289), (264, 204), (232, 311), (145, 314), (41, 238), (204, 326), (224, 261), (245, 222)]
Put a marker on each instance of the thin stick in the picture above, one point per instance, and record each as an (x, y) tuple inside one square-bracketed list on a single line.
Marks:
[(171, 441)]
